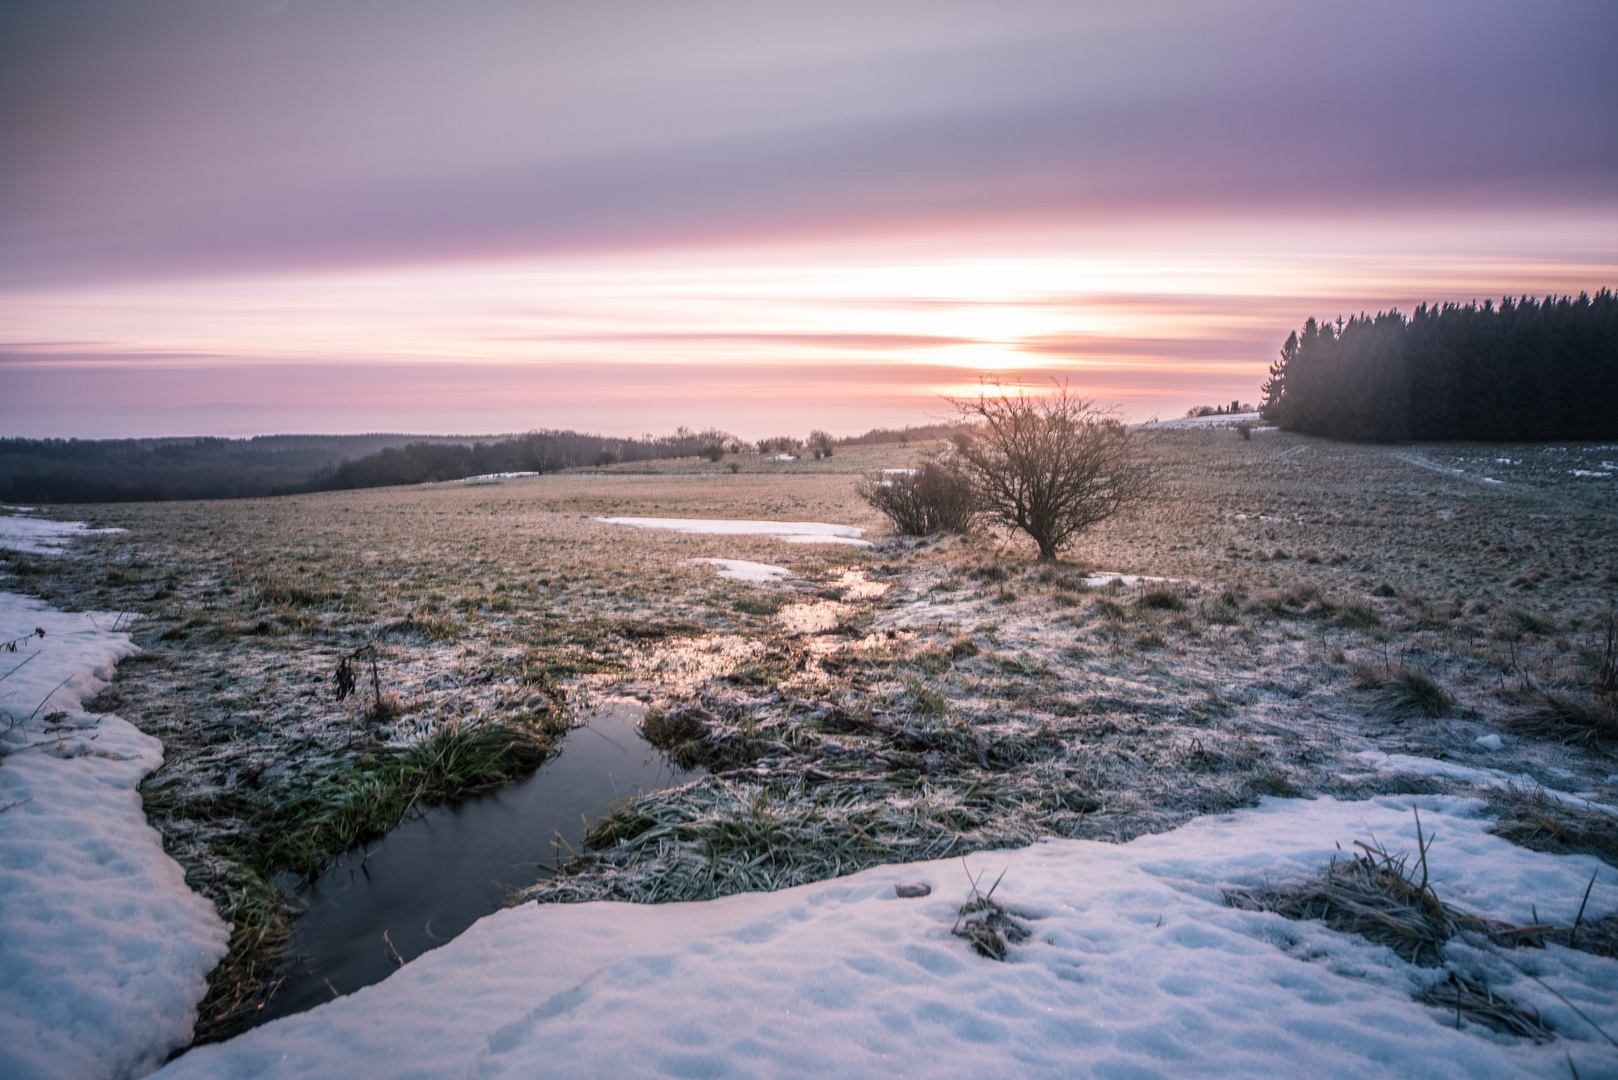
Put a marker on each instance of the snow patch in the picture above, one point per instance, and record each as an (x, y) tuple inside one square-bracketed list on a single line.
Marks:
[(1096, 581), (493, 476), (1133, 967), (104, 951), (1185, 423), (38, 535), (742, 570), (1488, 778), (806, 538)]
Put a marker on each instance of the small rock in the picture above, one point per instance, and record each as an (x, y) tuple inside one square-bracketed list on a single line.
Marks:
[(1489, 742), (910, 892)]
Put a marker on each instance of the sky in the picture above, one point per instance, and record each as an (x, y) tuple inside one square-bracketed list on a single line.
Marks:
[(476, 216)]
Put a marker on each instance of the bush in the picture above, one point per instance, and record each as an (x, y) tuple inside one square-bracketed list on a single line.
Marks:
[(934, 498), (1050, 466)]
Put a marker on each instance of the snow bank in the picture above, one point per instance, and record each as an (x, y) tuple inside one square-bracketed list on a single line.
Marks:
[(493, 476), (1187, 423), (742, 570), (104, 951), (795, 532), (1134, 968), (39, 535)]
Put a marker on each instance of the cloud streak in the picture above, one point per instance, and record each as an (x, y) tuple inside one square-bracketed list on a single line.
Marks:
[(206, 137), (240, 216)]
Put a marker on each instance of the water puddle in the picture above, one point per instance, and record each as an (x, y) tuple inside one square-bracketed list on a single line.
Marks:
[(434, 876)]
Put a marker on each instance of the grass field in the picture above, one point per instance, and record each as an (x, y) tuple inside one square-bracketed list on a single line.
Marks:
[(1322, 606)]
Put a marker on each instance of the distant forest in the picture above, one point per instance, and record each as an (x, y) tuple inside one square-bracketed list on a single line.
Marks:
[(152, 470), (539, 451), (140, 470), (1526, 370)]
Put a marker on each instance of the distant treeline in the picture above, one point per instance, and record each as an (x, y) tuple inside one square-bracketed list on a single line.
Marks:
[(1525, 370), (152, 470), (539, 451), (141, 470), (904, 435)]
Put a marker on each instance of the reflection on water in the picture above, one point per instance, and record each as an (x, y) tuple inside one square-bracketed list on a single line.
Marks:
[(434, 876)]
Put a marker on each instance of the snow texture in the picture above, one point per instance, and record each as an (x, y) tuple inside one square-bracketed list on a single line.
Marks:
[(742, 570), (1217, 420), (1133, 968), (1100, 580), (795, 532), (493, 476), (37, 535), (104, 951), (1486, 778)]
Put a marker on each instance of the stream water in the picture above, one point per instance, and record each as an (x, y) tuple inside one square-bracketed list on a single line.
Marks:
[(437, 874)]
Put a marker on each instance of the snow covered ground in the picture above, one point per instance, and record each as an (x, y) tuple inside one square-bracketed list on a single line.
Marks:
[(104, 951), (1133, 968), (1218, 420), (793, 532), (39, 535), (742, 570), (493, 476)]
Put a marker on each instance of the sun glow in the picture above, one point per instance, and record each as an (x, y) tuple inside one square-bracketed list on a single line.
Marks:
[(1158, 326)]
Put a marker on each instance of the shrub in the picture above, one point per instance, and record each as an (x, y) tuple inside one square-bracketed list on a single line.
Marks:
[(934, 498), (821, 442), (1050, 466)]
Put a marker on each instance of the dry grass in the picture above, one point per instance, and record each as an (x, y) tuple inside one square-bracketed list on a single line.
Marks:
[(1374, 894), (1478, 1003), (986, 925), (1533, 819), (1405, 690), (1008, 700), (1575, 719), (1389, 900)]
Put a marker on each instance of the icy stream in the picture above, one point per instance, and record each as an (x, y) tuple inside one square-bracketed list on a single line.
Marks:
[(434, 876)]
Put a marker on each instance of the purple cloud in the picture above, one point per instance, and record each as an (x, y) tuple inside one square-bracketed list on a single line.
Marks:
[(192, 137)]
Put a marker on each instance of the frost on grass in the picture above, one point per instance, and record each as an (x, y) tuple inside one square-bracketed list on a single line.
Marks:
[(887, 704)]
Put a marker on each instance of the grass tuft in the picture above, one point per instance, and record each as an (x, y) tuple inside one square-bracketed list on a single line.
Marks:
[(985, 924), (1405, 689), (1574, 719), (1385, 899), (1162, 598), (311, 824)]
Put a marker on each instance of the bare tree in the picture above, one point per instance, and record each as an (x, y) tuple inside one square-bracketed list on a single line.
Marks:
[(934, 498), (1051, 465)]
